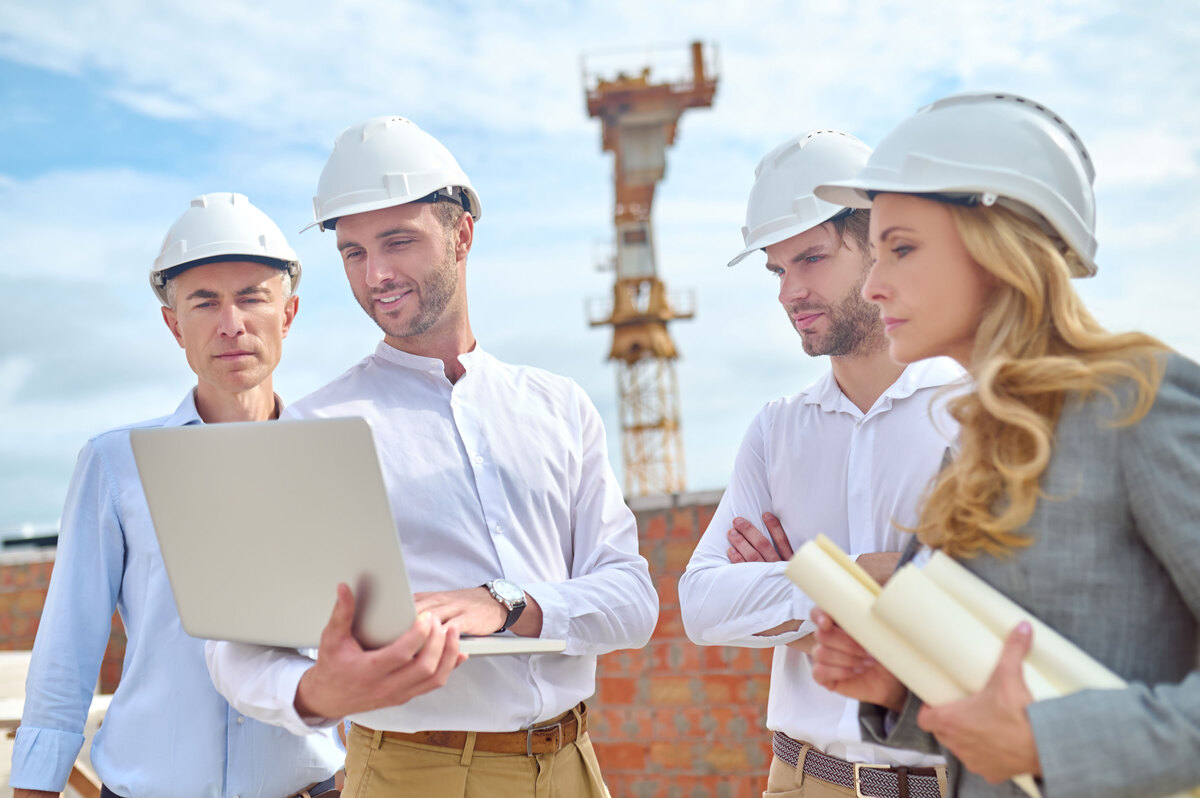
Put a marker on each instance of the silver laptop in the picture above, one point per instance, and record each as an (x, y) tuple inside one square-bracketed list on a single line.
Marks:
[(259, 522)]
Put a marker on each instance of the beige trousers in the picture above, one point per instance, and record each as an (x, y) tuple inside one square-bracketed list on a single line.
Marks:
[(376, 768), (785, 781)]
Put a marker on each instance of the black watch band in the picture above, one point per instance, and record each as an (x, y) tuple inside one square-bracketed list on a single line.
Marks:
[(513, 614), (510, 596)]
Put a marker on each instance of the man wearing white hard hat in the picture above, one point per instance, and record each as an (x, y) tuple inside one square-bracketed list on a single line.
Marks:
[(225, 276), (510, 515), (847, 457)]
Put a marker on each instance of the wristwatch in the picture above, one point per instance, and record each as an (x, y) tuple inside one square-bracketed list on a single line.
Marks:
[(511, 597)]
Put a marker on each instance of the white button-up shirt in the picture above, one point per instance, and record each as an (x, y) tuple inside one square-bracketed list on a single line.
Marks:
[(167, 732), (503, 473), (823, 467)]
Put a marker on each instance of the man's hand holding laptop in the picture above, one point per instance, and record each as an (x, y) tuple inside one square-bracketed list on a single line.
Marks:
[(348, 679)]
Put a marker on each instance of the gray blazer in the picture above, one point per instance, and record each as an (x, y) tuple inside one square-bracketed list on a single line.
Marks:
[(1115, 567)]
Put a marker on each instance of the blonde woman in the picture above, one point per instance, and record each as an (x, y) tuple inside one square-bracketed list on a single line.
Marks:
[(1075, 485)]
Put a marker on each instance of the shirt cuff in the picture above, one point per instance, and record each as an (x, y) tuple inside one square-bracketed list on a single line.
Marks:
[(42, 758), (289, 718), (556, 619)]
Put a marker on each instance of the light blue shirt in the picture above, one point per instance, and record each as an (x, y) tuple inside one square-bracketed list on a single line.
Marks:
[(167, 732)]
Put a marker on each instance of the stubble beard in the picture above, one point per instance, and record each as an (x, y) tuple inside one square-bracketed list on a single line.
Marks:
[(855, 326), (433, 296)]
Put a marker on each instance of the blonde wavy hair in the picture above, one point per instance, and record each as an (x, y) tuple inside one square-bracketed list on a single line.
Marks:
[(1036, 342)]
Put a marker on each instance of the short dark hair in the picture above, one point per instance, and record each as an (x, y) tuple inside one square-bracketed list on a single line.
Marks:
[(448, 211), (856, 224)]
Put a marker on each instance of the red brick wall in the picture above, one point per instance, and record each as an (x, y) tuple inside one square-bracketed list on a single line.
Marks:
[(24, 577), (676, 720), (673, 720)]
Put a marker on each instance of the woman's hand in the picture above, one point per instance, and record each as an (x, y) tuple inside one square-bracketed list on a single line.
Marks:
[(990, 731), (840, 664)]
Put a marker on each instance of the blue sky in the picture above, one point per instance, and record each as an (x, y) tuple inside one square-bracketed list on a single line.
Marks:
[(112, 118)]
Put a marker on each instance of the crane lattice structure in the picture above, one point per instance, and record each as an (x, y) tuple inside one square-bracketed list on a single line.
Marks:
[(639, 113)]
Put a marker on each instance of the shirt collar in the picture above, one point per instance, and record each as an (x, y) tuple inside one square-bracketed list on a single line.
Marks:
[(187, 413), (399, 357), (932, 373)]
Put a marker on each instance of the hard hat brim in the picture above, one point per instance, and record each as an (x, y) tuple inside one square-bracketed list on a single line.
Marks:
[(857, 193)]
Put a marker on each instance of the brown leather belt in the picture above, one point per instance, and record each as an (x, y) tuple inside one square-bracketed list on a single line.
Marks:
[(875, 781), (544, 739)]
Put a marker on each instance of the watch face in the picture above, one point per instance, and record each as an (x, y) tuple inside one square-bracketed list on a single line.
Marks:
[(509, 591)]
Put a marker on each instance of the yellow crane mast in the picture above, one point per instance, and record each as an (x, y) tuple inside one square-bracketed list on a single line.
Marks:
[(639, 118)]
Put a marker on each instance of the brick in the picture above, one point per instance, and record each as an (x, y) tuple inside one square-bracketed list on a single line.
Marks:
[(720, 688), (667, 587), (724, 758), (676, 555), (635, 785), (742, 721), (682, 521), (672, 690), (616, 690), (674, 656), (620, 723), (30, 601), (672, 755), (683, 723), (654, 529), (734, 659), (621, 756), (670, 624), (22, 628)]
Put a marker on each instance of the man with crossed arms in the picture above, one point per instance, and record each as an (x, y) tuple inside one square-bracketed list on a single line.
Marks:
[(848, 457)]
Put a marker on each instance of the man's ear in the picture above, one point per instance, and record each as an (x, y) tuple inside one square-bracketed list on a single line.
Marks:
[(290, 306), (464, 236), (172, 323)]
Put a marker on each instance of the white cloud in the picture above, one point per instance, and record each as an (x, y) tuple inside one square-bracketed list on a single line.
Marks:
[(154, 105), (270, 84)]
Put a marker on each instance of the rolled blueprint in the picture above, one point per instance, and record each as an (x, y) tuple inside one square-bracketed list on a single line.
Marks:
[(967, 649), (842, 588), (940, 630), (1060, 661)]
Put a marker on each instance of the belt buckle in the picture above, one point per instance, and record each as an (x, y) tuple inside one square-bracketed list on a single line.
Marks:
[(558, 729), (858, 785)]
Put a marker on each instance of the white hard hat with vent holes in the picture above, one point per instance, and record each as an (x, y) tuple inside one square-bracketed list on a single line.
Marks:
[(782, 203), (217, 227), (387, 161), (988, 148)]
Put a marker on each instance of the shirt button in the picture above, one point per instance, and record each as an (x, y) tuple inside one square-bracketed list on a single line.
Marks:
[(478, 459), (499, 529), (241, 719)]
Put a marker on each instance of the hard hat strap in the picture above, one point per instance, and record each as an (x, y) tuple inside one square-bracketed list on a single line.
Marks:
[(451, 193)]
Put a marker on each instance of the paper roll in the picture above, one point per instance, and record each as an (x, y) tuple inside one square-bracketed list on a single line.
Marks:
[(841, 593), (1060, 661), (939, 627)]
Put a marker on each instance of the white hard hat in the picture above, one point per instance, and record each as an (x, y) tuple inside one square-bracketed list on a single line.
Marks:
[(221, 227), (782, 203), (986, 148), (383, 162)]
